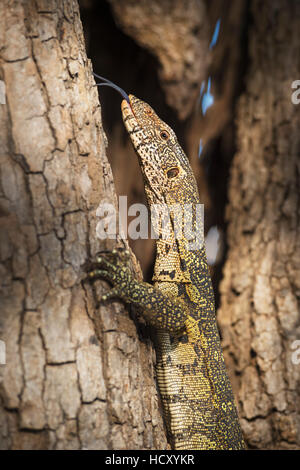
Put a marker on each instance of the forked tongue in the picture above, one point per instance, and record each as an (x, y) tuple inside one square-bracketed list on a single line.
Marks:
[(112, 85)]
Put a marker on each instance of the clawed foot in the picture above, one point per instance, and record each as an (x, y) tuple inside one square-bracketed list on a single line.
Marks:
[(112, 266)]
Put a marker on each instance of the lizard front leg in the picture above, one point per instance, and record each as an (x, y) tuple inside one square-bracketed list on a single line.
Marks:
[(159, 309)]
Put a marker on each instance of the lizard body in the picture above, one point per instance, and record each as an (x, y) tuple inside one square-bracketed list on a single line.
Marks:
[(196, 393)]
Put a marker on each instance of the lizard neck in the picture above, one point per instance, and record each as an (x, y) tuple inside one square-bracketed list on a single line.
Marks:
[(178, 238), (170, 263)]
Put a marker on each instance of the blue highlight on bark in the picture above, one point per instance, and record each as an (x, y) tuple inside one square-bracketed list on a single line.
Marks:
[(206, 97), (216, 34), (200, 148)]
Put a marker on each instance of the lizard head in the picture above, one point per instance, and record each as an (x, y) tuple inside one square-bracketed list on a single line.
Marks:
[(167, 174), (168, 177)]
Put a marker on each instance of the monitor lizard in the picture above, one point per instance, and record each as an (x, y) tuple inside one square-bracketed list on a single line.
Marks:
[(196, 393)]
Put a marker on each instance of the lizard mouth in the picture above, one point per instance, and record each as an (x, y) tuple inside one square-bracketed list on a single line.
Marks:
[(129, 118)]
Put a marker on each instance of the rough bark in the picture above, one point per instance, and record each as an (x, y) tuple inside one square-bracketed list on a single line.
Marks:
[(259, 314), (176, 33), (75, 376)]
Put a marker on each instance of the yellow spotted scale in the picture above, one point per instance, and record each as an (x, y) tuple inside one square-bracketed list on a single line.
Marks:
[(198, 402)]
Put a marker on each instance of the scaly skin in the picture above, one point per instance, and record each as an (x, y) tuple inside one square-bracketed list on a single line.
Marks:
[(196, 393)]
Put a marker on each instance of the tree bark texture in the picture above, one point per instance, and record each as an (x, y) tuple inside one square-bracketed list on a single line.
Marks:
[(259, 314), (176, 33), (75, 376)]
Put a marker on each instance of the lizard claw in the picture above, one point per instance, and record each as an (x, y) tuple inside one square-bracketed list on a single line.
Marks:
[(116, 255), (112, 266), (111, 294)]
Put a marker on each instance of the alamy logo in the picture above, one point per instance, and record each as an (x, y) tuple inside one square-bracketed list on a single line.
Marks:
[(2, 353), (168, 222), (296, 354), (2, 92), (296, 95)]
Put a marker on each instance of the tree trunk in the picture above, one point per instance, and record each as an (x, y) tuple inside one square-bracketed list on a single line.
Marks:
[(75, 376), (259, 314)]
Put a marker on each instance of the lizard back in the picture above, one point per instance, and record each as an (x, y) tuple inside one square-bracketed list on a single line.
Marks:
[(194, 386)]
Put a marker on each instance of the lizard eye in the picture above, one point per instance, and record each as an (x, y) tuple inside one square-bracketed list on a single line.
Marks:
[(172, 173), (164, 135)]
